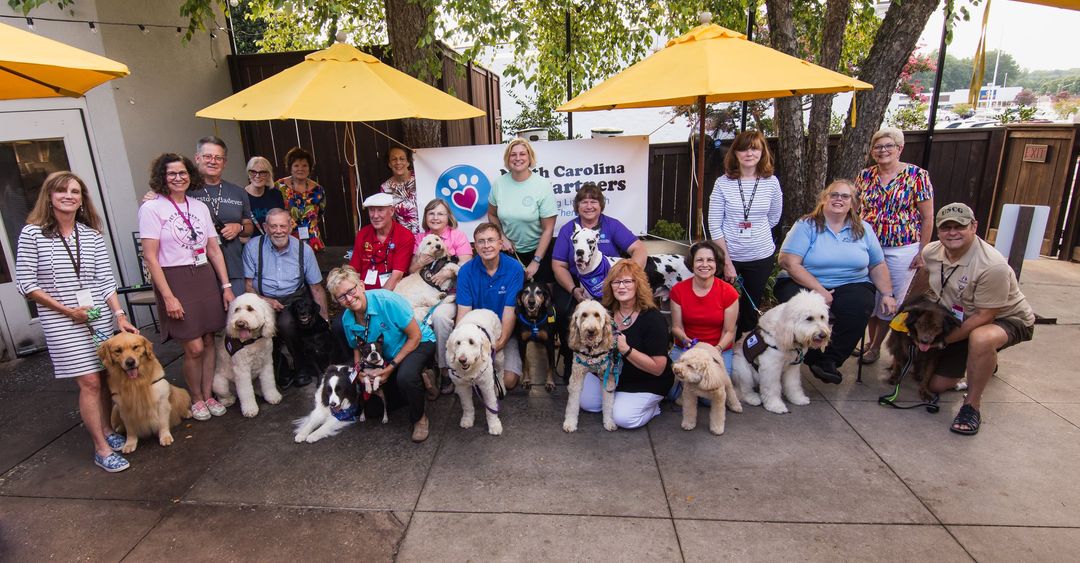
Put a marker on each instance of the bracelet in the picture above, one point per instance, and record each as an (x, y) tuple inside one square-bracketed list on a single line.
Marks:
[(629, 351), (392, 362), (119, 312), (226, 286)]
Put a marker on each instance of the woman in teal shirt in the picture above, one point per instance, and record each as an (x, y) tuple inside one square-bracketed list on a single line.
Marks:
[(523, 206), (408, 347)]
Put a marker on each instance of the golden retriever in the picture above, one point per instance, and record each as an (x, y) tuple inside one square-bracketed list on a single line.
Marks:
[(702, 373), (143, 402)]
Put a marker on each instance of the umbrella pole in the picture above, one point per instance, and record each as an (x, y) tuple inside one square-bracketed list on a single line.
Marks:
[(699, 224)]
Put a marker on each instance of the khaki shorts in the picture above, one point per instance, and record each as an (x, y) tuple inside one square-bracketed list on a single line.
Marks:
[(953, 360)]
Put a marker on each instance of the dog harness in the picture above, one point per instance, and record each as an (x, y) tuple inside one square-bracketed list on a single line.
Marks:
[(755, 344), (344, 415), (534, 326), (234, 345), (432, 269), (609, 363)]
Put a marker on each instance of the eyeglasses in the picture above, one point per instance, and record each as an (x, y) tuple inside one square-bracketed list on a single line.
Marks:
[(349, 295), (884, 148), (486, 241), (176, 175), (259, 172), (212, 157), (840, 196), (621, 283)]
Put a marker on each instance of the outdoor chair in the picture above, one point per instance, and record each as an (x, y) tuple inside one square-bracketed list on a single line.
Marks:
[(142, 293)]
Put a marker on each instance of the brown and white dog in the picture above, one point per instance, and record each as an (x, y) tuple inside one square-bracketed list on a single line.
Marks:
[(144, 403), (702, 373), (592, 338), (927, 324)]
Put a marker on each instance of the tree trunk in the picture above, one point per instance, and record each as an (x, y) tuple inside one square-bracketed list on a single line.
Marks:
[(407, 23), (817, 143), (893, 45), (789, 119)]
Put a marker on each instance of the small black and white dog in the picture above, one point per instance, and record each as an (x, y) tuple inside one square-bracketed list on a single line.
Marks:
[(317, 344), (534, 328), (337, 405), (371, 360)]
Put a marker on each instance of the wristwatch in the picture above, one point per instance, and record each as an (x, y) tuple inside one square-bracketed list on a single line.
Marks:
[(537, 259)]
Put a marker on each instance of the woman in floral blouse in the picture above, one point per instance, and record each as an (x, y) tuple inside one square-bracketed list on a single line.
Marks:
[(305, 199), (402, 185), (898, 201)]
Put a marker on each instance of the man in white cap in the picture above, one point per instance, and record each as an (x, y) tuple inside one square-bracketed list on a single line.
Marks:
[(974, 281), (383, 248)]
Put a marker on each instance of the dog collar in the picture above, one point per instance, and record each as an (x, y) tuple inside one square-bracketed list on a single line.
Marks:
[(534, 326), (234, 345), (344, 415)]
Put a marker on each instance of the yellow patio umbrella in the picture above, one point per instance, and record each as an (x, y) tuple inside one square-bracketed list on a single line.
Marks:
[(32, 66), (340, 83), (711, 64)]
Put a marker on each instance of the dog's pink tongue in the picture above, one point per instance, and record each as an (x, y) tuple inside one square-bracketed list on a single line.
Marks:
[(132, 373), (245, 334), (923, 347)]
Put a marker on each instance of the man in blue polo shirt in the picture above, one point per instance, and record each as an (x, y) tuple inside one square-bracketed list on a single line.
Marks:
[(279, 281), (492, 281)]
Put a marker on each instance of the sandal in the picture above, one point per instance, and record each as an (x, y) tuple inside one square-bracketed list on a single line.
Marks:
[(968, 417), (870, 356)]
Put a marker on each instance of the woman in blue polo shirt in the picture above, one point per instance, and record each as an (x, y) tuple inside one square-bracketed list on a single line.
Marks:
[(407, 346), (834, 252)]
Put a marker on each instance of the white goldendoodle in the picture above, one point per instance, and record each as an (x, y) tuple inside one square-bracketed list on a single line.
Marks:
[(430, 283), (471, 362), (787, 332), (702, 373), (593, 342), (246, 352)]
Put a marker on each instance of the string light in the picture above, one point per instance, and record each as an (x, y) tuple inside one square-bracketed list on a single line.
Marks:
[(143, 27), (30, 23)]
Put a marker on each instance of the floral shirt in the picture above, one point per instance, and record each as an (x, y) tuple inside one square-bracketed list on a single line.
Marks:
[(404, 202), (891, 209), (305, 209)]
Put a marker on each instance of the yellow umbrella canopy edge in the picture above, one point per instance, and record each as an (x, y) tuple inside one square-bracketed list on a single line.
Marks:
[(32, 66), (340, 83)]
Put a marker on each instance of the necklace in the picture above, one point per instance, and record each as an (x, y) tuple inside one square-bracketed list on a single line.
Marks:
[(626, 318)]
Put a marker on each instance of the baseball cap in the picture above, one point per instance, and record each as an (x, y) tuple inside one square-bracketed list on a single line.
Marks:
[(956, 212), (379, 200)]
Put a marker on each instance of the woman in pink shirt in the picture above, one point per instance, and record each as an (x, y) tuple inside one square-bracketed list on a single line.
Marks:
[(440, 221), (180, 247)]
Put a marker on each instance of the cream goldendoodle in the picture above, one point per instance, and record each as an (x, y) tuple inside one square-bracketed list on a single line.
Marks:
[(424, 288), (593, 341), (702, 373), (246, 352), (471, 363), (784, 334)]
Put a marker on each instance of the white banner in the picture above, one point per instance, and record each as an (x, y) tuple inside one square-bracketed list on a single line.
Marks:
[(463, 177)]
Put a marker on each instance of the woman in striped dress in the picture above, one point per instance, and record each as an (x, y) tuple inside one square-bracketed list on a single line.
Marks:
[(62, 265), (745, 205)]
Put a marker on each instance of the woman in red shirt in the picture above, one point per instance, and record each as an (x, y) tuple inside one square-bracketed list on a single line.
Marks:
[(697, 302)]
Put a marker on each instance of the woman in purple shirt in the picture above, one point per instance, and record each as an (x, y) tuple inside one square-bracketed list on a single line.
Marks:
[(616, 241)]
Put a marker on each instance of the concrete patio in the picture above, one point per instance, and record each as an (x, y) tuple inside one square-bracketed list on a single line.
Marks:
[(840, 479)]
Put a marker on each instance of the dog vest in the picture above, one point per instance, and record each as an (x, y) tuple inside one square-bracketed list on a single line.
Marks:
[(754, 345), (593, 282), (234, 345), (432, 269)]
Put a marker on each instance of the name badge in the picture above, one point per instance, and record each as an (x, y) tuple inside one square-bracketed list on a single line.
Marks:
[(303, 233), (958, 312), (370, 277), (383, 278), (744, 234), (84, 298), (200, 256)]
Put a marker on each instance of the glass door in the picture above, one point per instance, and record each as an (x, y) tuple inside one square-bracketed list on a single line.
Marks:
[(33, 144)]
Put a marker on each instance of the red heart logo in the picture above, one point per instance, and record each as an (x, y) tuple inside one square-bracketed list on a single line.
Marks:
[(466, 198)]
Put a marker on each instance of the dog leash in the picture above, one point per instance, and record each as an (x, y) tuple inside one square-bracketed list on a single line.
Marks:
[(742, 289), (431, 311), (890, 399), (476, 390)]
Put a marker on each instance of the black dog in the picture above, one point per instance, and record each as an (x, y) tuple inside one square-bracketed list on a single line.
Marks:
[(535, 325), (316, 342)]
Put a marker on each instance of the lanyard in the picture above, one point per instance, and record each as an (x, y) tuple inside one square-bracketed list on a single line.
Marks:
[(76, 259), (387, 247), (194, 235), (944, 278), (746, 206)]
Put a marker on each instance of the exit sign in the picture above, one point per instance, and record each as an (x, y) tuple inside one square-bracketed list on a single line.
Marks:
[(1035, 153)]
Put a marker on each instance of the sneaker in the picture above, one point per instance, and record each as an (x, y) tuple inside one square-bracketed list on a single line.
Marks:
[(116, 441), (215, 408), (199, 411), (113, 463), (420, 430), (826, 371)]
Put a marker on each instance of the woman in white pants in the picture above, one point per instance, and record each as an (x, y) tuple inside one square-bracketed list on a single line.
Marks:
[(645, 375)]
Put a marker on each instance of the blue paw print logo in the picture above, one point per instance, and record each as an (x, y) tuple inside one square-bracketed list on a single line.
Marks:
[(465, 188)]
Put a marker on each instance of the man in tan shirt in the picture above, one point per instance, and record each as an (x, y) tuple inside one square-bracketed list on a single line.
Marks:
[(973, 280)]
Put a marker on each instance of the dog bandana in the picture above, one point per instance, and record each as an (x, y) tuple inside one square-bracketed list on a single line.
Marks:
[(344, 415), (234, 345), (899, 322), (593, 282)]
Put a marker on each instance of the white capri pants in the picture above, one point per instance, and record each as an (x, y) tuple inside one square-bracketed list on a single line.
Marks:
[(632, 410), (898, 260)]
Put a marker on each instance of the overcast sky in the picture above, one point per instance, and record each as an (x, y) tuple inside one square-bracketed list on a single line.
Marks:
[(1038, 37)]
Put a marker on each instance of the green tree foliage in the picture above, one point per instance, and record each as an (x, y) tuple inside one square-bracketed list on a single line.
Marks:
[(1066, 107), (910, 117), (963, 110), (956, 73), (536, 114)]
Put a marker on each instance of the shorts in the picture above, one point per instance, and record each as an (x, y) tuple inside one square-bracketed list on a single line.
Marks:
[(953, 360)]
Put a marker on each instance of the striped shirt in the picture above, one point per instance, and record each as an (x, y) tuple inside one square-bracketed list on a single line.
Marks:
[(761, 209), (42, 263)]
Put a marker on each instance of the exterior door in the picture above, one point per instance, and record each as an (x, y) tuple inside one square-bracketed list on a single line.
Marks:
[(34, 144)]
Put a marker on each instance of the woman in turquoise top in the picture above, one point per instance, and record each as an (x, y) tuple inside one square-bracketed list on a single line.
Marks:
[(407, 346), (523, 205), (834, 252)]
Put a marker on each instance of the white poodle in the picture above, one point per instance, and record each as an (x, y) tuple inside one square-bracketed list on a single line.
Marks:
[(431, 283), (593, 342), (246, 352), (702, 373), (784, 334), (469, 357)]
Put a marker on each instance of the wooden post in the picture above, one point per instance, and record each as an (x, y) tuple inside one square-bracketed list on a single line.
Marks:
[(1021, 234), (698, 230)]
